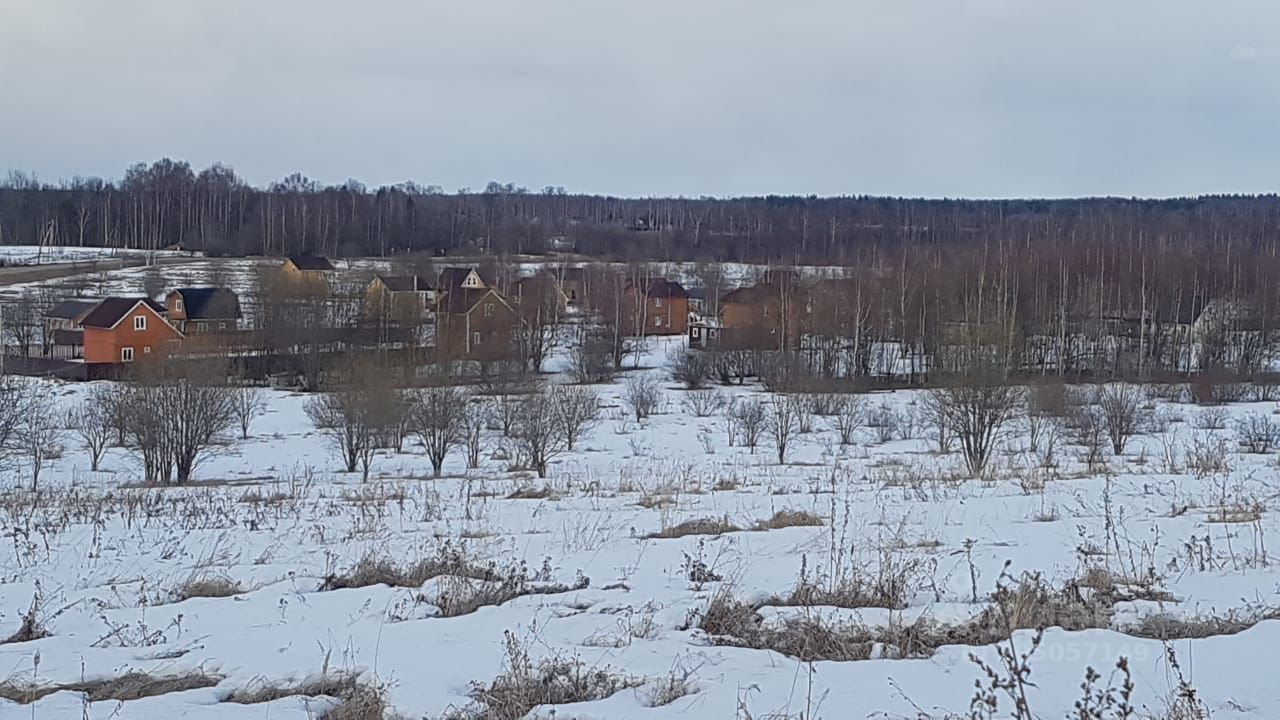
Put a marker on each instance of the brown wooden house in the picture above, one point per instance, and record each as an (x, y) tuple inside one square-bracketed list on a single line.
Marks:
[(63, 334), (766, 316), (473, 321), (401, 300), (308, 270), (656, 307)]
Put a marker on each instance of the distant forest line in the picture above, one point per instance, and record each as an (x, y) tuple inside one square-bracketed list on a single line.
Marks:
[(213, 210)]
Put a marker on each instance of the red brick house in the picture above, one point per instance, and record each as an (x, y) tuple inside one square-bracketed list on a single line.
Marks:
[(766, 316), (656, 307), (122, 330)]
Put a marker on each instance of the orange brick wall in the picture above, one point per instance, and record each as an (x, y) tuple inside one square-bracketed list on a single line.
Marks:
[(104, 346)]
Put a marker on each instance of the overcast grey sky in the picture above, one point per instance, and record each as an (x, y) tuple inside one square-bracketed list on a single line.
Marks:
[(977, 98)]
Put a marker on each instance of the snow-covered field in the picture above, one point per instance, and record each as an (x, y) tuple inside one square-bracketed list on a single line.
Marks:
[(34, 254), (273, 516)]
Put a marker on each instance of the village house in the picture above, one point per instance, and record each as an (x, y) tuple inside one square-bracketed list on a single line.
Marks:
[(473, 321), (404, 300), (203, 310), (308, 270), (766, 316), (542, 290), (656, 307), (123, 330), (63, 336), (573, 284)]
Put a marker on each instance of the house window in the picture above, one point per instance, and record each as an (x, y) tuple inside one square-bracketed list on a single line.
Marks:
[(475, 338), (657, 321), (177, 304), (201, 326), (488, 310), (140, 322), (146, 349), (126, 354), (222, 326), (657, 302)]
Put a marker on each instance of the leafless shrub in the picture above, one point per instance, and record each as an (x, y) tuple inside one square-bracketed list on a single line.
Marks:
[(537, 431), (1206, 455), (92, 422), (1121, 408), (669, 689), (642, 394), (1212, 418), (703, 403), (525, 685), (40, 433), (1258, 433), (695, 567), (848, 417), (690, 368), (176, 413), (782, 422), (748, 419), (1089, 431), (577, 410), (436, 416), (825, 404), (885, 420), (976, 413), (698, 526), (594, 358), (449, 559), (477, 417)]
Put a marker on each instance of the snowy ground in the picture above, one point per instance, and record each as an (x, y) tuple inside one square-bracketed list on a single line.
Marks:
[(273, 515), (34, 254)]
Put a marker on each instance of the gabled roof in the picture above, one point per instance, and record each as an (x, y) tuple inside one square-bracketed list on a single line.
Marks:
[(209, 303), (71, 309), (405, 283), (453, 277), (463, 300), (311, 262), (662, 288), (111, 311)]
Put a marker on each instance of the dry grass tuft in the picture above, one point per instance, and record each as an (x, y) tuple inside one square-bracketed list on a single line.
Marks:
[(1167, 627), (374, 570), (789, 518), (525, 685), (533, 493), (356, 700), (207, 587), (127, 687), (699, 526)]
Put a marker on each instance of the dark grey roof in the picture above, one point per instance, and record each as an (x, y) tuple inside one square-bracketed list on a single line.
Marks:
[(311, 262), (210, 303), (405, 283), (113, 309), (71, 309)]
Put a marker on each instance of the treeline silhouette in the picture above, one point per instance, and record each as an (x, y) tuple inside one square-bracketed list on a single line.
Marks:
[(169, 203)]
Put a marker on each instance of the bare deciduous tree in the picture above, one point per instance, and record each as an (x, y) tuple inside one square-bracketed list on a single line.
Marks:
[(437, 418), (748, 418), (351, 416), (976, 412), (40, 433), (691, 368), (847, 416), (1120, 404), (783, 422), (175, 413), (703, 403), (93, 422), (247, 403), (577, 410), (537, 431), (477, 417)]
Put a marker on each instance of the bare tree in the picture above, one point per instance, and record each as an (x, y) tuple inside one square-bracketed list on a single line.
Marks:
[(247, 403), (20, 320), (577, 410), (180, 412), (976, 412), (748, 420), (40, 433), (537, 431), (703, 403), (474, 421), (351, 415), (15, 399), (93, 421), (848, 417), (591, 357), (437, 418), (783, 422), (642, 393), (1120, 404)]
